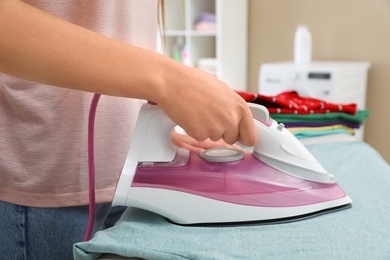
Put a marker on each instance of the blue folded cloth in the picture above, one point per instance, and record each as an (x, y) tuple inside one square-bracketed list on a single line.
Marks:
[(361, 232)]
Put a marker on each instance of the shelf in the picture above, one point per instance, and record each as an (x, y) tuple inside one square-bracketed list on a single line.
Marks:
[(176, 33), (212, 32)]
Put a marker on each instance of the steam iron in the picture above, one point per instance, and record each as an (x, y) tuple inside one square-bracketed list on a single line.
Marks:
[(279, 181)]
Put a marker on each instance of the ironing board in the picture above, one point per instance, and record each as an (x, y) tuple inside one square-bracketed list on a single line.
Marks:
[(357, 233)]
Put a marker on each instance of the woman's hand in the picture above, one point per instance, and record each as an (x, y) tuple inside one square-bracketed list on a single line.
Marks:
[(204, 106), (185, 141)]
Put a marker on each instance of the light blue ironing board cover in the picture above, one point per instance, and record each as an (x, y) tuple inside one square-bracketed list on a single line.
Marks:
[(362, 232)]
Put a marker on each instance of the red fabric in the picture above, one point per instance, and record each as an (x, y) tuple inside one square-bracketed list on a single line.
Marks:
[(290, 102)]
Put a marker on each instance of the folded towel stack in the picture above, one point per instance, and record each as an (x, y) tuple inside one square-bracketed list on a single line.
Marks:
[(205, 21), (309, 117)]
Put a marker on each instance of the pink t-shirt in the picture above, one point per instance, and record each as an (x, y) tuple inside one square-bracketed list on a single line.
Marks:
[(44, 129)]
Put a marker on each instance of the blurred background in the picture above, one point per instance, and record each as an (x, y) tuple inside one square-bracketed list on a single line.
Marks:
[(351, 30), (232, 39)]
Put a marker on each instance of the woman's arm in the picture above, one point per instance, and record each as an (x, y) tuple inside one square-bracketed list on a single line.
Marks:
[(39, 47)]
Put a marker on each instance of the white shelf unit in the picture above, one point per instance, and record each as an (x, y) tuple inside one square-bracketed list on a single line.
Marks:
[(227, 44)]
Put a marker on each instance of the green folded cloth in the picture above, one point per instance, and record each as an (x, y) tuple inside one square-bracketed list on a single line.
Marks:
[(328, 117), (309, 134)]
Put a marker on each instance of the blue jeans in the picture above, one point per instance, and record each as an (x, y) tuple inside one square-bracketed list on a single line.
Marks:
[(48, 233)]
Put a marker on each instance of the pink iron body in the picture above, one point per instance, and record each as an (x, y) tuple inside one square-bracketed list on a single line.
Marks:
[(279, 180)]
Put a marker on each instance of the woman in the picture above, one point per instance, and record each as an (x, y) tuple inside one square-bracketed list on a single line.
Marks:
[(54, 55)]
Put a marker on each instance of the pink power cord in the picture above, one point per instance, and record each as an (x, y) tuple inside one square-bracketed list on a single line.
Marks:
[(91, 166)]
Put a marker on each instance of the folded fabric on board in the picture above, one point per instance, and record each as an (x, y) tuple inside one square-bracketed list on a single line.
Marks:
[(296, 111), (290, 102), (319, 124), (329, 117), (306, 132)]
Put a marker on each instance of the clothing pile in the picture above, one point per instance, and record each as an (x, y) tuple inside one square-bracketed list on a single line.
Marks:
[(309, 117)]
